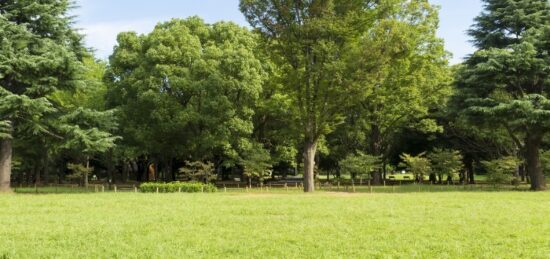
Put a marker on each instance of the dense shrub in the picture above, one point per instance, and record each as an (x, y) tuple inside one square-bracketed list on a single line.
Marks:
[(177, 186), (501, 171), (419, 166)]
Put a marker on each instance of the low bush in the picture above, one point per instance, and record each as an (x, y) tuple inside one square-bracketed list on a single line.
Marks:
[(177, 186)]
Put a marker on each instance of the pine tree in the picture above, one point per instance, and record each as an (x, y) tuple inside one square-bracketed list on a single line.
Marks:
[(505, 83), (39, 53)]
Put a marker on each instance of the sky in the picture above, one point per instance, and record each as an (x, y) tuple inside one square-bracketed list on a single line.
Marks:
[(102, 20)]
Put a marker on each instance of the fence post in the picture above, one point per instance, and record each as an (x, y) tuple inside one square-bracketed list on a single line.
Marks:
[(224, 188), (179, 189), (115, 188), (102, 188), (286, 187), (157, 189), (135, 189)]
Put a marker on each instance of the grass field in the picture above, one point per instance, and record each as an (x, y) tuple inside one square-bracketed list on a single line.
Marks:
[(283, 225)]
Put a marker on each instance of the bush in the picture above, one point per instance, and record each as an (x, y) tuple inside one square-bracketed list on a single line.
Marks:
[(360, 164), (501, 171), (175, 187), (419, 165), (446, 163)]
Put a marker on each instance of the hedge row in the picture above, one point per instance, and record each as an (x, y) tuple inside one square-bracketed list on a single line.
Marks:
[(177, 187)]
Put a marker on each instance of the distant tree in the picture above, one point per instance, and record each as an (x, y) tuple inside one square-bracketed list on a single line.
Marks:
[(446, 163), (199, 171), (501, 171), (545, 161), (360, 164), (256, 163), (419, 165)]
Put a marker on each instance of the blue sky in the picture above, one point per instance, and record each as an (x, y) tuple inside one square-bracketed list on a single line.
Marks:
[(102, 20)]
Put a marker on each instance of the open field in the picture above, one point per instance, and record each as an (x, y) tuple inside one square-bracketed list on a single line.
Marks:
[(293, 225)]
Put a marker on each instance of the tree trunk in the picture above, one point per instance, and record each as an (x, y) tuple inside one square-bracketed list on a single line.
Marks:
[(46, 169), (110, 165), (86, 173), (522, 172), (125, 171), (534, 168), (5, 164), (309, 165)]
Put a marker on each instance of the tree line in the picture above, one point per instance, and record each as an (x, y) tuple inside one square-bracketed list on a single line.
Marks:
[(323, 87)]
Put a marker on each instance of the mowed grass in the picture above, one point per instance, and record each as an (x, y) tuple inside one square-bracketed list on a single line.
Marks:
[(282, 225)]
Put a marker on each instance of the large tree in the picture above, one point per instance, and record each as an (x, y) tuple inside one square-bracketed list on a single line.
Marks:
[(311, 40), (186, 91), (505, 83), (347, 59), (39, 53), (403, 67)]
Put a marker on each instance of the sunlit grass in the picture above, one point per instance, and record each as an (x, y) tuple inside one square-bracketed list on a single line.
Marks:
[(276, 223)]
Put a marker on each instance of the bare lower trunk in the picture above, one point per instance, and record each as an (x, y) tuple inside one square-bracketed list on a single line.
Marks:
[(470, 171), (125, 171), (86, 173), (534, 168), (309, 166), (5, 164)]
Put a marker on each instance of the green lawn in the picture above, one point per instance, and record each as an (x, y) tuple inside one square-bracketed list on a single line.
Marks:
[(283, 225)]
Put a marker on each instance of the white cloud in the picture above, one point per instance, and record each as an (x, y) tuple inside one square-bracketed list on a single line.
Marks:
[(102, 36)]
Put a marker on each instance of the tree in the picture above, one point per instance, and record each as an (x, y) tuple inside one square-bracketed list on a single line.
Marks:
[(545, 161), (402, 66), (311, 40), (446, 163), (360, 164), (418, 165), (186, 90), (199, 171), (256, 163), (40, 52), (501, 171), (505, 80)]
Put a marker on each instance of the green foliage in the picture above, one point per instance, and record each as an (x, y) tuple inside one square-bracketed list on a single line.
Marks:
[(505, 22), (194, 85), (545, 161), (501, 171), (5, 129), (78, 171), (177, 186), (419, 165), (199, 171), (446, 162), (256, 163), (504, 82), (360, 164)]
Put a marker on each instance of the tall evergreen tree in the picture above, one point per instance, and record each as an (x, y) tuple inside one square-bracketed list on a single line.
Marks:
[(39, 53), (505, 83)]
